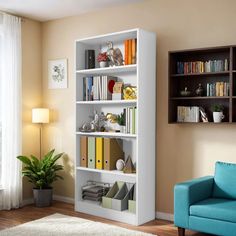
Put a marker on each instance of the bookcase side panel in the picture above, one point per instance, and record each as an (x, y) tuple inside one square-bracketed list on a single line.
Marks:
[(146, 139)]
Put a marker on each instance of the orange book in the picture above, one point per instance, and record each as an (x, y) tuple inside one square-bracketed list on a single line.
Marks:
[(126, 51), (133, 51), (130, 52)]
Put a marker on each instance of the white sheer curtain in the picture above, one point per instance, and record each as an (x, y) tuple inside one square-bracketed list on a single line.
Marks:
[(11, 195)]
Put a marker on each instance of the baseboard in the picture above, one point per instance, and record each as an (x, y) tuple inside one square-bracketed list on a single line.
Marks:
[(164, 216), (27, 201), (63, 199)]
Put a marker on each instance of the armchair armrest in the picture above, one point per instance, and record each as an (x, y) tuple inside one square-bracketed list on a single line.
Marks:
[(186, 194)]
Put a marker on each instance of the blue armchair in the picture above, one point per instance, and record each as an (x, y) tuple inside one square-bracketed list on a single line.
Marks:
[(207, 204)]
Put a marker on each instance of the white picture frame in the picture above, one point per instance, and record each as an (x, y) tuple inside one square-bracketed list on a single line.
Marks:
[(57, 74)]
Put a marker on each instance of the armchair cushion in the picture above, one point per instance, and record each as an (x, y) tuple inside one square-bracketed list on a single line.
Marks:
[(215, 208), (224, 180)]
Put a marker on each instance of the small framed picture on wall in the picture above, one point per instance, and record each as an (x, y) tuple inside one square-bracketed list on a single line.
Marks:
[(57, 74)]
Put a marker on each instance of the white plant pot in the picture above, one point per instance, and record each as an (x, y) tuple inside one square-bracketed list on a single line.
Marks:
[(122, 129), (218, 117), (102, 64)]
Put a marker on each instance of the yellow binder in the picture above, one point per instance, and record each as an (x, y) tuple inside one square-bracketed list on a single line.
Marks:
[(99, 153)]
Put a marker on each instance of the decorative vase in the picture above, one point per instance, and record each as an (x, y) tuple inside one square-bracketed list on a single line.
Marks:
[(122, 129), (218, 117), (102, 64)]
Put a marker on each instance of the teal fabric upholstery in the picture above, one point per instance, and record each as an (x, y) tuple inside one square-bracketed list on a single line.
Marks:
[(188, 193), (210, 226), (224, 180), (215, 208), (208, 204)]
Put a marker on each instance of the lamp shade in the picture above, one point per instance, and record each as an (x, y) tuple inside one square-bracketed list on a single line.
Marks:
[(40, 115)]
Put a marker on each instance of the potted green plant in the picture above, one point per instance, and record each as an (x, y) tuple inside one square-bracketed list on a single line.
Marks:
[(217, 110), (102, 59), (42, 173), (121, 122)]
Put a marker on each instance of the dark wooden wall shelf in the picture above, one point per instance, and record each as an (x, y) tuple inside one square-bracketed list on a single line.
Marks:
[(178, 82)]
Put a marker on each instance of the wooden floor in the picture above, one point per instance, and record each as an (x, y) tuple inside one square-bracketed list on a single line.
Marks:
[(29, 213)]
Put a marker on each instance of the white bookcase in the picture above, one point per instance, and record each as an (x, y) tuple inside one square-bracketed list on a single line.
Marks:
[(140, 146)]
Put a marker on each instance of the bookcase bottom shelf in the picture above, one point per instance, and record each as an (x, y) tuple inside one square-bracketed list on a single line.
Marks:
[(94, 208)]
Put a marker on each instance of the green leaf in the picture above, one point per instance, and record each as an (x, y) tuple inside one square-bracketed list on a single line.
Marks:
[(24, 159)]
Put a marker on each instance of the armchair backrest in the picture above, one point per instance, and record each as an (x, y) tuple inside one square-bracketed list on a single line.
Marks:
[(224, 180)]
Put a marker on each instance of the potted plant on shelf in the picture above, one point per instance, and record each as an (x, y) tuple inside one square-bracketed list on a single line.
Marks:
[(42, 173), (121, 122), (102, 59), (218, 115)]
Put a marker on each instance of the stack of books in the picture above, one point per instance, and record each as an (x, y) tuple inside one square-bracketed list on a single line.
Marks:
[(98, 87), (130, 119), (201, 66), (130, 46), (218, 89), (187, 114)]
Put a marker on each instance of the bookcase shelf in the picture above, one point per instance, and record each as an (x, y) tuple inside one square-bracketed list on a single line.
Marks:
[(108, 134), (202, 74), (178, 82), (108, 70), (108, 102), (141, 145)]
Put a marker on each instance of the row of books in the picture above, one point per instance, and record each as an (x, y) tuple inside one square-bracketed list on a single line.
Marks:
[(130, 114), (201, 66), (187, 114), (218, 89), (130, 46), (100, 153), (98, 87)]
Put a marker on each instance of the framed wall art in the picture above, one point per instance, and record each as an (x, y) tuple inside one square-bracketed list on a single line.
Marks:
[(57, 74)]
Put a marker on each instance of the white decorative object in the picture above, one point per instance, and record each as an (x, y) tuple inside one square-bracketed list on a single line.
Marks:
[(122, 129), (57, 74), (116, 96), (120, 164), (218, 117), (102, 64), (11, 181)]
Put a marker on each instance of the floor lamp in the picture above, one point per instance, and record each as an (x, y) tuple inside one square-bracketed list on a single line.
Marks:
[(40, 116)]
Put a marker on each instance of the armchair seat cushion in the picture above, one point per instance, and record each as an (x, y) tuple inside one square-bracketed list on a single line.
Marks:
[(215, 208)]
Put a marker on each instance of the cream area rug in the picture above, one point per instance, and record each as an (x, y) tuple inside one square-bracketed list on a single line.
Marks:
[(62, 225)]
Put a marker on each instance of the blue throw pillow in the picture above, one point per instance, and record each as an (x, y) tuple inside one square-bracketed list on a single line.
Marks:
[(225, 180)]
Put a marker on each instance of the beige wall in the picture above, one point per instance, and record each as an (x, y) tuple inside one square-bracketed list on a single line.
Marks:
[(183, 151), (32, 89)]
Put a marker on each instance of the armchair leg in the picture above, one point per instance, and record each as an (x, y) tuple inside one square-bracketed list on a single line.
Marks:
[(181, 231)]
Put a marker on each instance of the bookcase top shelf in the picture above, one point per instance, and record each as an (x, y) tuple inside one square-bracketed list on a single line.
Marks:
[(107, 102), (108, 70)]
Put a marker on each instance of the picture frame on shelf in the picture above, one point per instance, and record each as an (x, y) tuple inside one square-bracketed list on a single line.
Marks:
[(57, 74)]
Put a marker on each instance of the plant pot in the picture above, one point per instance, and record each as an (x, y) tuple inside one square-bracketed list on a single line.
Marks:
[(218, 117), (103, 64), (42, 197), (122, 129)]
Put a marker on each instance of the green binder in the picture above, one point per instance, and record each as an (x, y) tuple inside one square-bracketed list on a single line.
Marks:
[(91, 152)]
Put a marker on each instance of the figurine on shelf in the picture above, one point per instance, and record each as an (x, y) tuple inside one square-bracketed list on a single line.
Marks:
[(203, 115), (199, 91), (97, 123), (114, 55)]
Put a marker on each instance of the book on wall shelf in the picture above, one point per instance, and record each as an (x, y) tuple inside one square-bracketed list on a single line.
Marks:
[(113, 91), (212, 68)]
